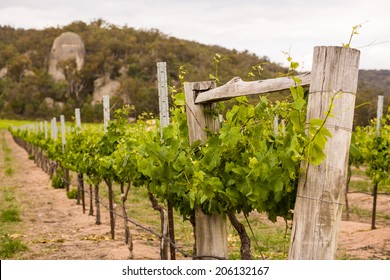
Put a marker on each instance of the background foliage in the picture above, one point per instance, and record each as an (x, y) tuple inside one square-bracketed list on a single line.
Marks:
[(129, 56)]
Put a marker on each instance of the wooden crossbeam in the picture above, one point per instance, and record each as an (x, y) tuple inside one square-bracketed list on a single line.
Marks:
[(237, 87)]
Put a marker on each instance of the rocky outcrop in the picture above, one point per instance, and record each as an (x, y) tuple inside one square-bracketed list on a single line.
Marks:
[(3, 72), (104, 86), (66, 46), (70, 46)]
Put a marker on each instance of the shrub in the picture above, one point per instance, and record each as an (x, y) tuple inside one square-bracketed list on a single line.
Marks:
[(58, 180), (72, 194)]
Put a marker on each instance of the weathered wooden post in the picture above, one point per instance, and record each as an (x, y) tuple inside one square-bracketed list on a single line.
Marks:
[(54, 129), (106, 111), (77, 119), (211, 230), (46, 129), (168, 228), (321, 188), (63, 139), (63, 132), (379, 114)]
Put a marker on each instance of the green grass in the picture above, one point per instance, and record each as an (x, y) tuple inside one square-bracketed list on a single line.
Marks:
[(365, 185), (5, 123), (384, 186), (9, 247), (363, 213), (7, 155), (10, 215), (10, 244), (360, 186), (72, 194)]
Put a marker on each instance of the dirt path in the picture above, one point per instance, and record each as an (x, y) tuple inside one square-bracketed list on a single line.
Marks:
[(54, 226)]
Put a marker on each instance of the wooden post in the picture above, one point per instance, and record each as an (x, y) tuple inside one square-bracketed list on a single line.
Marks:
[(54, 129), (321, 188), (45, 124), (81, 190), (106, 119), (163, 93), (78, 119), (106, 111), (97, 203), (211, 230), (379, 115), (164, 122), (63, 132)]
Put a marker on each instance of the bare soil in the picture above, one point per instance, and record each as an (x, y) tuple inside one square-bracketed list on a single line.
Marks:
[(54, 226)]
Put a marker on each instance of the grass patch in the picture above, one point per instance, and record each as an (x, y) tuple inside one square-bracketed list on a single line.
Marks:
[(7, 156), (359, 172), (384, 186), (10, 215), (72, 194), (5, 123), (10, 219), (58, 180), (343, 255), (360, 186), (361, 213), (365, 184), (10, 246)]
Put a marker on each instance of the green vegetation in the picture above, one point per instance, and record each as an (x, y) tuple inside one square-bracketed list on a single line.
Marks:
[(7, 155), (360, 186), (371, 84), (363, 213), (72, 194), (246, 167), (58, 180), (5, 123), (10, 244), (123, 54), (129, 56), (10, 215)]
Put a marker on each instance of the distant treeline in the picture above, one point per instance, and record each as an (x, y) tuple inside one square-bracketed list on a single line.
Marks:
[(129, 56)]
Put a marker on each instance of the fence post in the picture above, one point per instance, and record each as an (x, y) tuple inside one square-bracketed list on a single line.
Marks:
[(106, 116), (321, 188), (54, 129), (45, 124), (211, 230), (63, 132), (164, 122), (106, 111), (78, 119), (379, 115), (163, 93)]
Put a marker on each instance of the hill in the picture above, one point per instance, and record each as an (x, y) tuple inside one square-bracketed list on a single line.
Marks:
[(112, 53), (371, 84), (124, 59)]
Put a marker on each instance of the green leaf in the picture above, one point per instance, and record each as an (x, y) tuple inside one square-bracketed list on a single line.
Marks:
[(299, 103), (230, 136)]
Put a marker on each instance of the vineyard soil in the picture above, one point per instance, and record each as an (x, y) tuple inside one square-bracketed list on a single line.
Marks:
[(54, 227)]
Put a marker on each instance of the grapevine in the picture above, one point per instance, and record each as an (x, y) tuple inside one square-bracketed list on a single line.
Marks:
[(244, 167)]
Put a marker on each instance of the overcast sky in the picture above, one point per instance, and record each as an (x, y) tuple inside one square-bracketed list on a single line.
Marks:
[(264, 27)]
